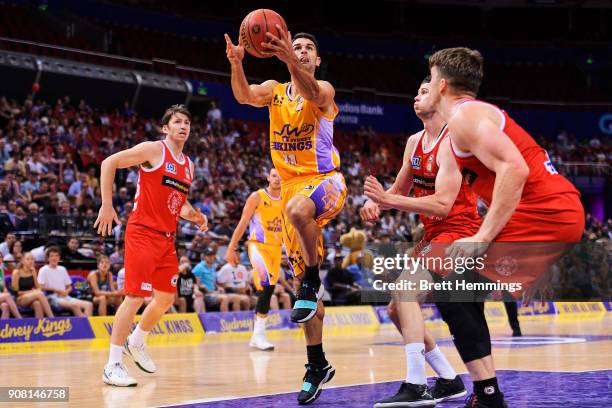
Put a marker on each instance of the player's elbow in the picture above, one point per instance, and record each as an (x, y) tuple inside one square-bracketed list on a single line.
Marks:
[(442, 209), (520, 171), (241, 99)]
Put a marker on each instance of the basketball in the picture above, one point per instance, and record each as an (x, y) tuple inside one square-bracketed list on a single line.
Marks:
[(254, 28)]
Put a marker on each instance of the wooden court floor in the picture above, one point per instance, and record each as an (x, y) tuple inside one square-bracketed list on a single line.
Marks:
[(220, 369)]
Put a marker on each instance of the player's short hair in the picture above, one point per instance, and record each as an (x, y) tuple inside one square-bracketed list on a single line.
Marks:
[(461, 66), (310, 37), (172, 110), (426, 80)]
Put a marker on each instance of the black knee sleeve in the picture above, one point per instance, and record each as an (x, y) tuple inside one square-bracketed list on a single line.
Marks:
[(468, 327), (263, 300)]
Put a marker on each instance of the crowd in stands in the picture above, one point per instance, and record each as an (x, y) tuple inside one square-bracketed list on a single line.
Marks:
[(556, 73), (50, 194)]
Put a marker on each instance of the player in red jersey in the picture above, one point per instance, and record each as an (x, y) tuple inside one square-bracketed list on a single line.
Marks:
[(529, 202), (448, 211), (151, 264)]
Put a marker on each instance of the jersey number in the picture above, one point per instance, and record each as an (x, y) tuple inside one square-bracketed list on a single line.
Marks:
[(549, 166), (290, 159)]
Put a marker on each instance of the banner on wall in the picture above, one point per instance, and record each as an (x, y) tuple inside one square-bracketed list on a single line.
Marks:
[(537, 309), (580, 308), (233, 322), (348, 316), (171, 325), (45, 329)]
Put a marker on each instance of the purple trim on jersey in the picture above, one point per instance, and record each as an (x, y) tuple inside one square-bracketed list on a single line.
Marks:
[(324, 146), (256, 231)]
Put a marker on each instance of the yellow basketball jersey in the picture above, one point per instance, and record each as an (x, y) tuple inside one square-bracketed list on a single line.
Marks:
[(265, 225), (301, 136)]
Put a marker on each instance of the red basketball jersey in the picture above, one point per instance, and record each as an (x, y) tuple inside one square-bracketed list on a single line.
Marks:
[(463, 216), (161, 192), (543, 180)]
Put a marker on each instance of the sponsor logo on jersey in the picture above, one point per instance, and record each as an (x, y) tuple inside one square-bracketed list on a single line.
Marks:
[(278, 100), (171, 168), (469, 176), (275, 225), (146, 286), (174, 280), (300, 104), (426, 183), (175, 202), (175, 184), (288, 131), (299, 145), (429, 165), (187, 173), (416, 163)]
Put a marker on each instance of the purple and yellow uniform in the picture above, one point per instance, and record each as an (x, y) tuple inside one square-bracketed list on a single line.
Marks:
[(265, 240), (303, 152)]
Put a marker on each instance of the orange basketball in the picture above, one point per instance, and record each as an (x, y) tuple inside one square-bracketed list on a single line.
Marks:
[(254, 28)]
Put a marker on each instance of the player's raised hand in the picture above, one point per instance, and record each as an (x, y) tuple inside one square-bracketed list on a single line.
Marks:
[(279, 46), (370, 212), (104, 222), (235, 53)]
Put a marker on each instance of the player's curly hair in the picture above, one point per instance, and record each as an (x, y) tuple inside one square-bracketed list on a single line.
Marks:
[(461, 66)]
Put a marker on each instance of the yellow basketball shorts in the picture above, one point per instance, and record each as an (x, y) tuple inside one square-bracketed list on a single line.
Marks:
[(265, 260), (328, 192)]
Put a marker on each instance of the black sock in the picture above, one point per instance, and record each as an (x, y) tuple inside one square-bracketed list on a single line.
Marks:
[(311, 275), (316, 356), (488, 390)]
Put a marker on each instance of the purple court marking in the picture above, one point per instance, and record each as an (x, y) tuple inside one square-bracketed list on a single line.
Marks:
[(523, 389), (532, 340)]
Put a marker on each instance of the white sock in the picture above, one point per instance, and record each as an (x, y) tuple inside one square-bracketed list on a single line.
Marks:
[(260, 325), (437, 360), (115, 354), (138, 336), (415, 363)]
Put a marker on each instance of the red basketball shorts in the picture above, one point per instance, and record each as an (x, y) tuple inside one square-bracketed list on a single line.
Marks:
[(150, 261)]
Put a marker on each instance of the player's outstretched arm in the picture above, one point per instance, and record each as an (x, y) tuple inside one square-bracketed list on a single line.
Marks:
[(402, 184), (255, 95), (146, 152), (250, 206), (476, 128), (439, 204)]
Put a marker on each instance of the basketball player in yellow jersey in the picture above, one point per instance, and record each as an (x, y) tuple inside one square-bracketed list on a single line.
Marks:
[(302, 116), (262, 213)]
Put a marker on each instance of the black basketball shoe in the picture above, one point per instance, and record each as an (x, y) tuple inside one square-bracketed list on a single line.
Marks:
[(305, 307), (314, 379), (445, 389), (409, 395), (474, 402)]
